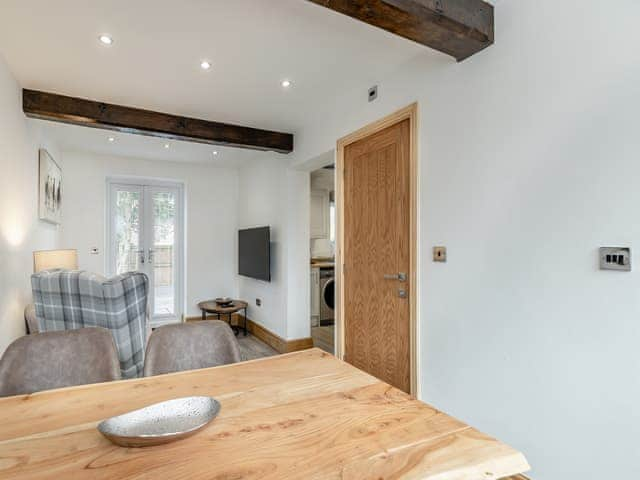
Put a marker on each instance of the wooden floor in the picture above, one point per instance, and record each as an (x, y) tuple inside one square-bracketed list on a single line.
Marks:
[(252, 348), (323, 338)]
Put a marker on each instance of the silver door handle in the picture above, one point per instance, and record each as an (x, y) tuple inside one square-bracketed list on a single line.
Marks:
[(402, 277), (150, 255)]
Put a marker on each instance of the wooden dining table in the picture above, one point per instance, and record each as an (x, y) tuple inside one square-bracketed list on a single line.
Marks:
[(304, 415)]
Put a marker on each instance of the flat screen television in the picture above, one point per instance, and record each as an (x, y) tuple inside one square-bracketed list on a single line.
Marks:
[(254, 253)]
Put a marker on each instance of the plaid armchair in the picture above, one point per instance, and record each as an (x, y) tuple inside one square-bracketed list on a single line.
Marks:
[(66, 300)]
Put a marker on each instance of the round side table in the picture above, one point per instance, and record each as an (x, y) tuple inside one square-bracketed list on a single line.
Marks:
[(210, 306)]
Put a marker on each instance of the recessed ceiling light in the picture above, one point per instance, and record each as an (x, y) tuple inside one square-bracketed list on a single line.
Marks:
[(111, 139), (286, 83), (205, 65), (106, 39), (166, 145), (215, 152)]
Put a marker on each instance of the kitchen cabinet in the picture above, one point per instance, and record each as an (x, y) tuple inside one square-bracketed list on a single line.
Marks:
[(319, 214)]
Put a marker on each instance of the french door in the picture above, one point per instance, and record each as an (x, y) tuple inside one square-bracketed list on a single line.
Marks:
[(145, 233)]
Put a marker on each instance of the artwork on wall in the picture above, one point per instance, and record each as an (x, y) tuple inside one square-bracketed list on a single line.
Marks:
[(50, 196)]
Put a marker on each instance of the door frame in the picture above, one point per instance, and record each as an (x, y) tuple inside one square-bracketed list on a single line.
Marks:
[(180, 239), (411, 113)]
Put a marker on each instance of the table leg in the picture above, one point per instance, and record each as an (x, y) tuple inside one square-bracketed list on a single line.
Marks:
[(235, 328), (204, 315), (245, 321)]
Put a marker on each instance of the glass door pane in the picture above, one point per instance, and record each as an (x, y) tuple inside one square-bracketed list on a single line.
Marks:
[(127, 253), (163, 250)]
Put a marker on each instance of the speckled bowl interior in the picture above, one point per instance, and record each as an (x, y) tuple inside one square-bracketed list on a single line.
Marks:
[(176, 417)]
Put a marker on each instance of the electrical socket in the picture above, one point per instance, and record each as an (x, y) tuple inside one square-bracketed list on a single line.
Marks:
[(373, 93)]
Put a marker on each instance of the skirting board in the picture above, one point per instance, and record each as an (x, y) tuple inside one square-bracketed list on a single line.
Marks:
[(267, 336)]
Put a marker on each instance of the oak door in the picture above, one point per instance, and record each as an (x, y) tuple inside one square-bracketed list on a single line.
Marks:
[(376, 256)]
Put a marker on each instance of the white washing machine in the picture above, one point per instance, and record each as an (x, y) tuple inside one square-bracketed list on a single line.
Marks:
[(327, 296)]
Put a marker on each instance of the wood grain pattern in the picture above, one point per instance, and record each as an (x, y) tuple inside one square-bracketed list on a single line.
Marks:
[(411, 113), (377, 242), (88, 113), (459, 28), (304, 415)]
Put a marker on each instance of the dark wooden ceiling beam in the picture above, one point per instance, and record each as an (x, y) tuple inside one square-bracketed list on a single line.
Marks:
[(88, 113), (458, 28)]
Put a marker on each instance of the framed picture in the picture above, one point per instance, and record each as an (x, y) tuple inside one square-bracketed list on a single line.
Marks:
[(50, 196)]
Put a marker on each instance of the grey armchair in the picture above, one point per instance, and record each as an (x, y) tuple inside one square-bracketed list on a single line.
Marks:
[(67, 300), (189, 346), (58, 359), (30, 319)]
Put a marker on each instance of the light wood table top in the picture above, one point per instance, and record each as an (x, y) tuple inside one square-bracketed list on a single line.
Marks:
[(304, 415)]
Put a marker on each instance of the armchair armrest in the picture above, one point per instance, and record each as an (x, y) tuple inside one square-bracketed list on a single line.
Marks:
[(30, 319)]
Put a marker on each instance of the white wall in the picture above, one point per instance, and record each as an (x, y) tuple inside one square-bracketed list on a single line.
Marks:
[(273, 195), (298, 288), (211, 195), (261, 203), (21, 232), (529, 161)]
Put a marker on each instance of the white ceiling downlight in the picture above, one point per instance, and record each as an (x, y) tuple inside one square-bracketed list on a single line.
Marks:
[(106, 39)]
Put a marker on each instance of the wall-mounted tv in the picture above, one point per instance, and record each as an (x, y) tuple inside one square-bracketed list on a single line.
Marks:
[(254, 253)]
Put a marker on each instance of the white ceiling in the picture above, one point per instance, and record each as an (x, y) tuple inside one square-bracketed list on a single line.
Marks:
[(159, 44)]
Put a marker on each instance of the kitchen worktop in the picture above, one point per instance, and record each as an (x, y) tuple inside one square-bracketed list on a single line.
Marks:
[(322, 264)]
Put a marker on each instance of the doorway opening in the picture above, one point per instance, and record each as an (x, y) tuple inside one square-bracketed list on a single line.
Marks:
[(322, 248)]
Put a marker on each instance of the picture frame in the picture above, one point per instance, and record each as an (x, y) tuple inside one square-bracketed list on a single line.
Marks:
[(50, 188)]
